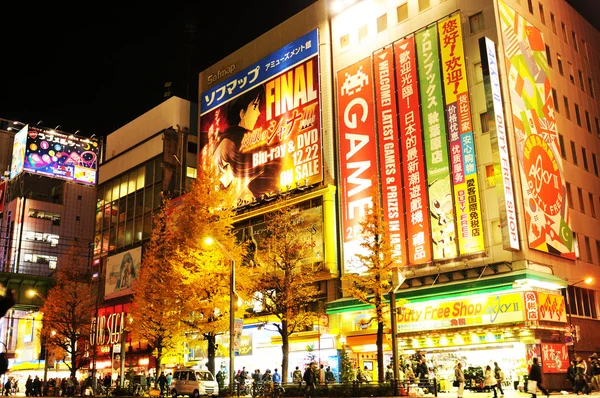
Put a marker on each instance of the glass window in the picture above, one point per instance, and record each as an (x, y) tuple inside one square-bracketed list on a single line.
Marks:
[(567, 110), (530, 6), (569, 195), (158, 170), (476, 22), (580, 196), (563, 27), (580, 76), (129, 233), (553, 22), (157, 196), (548, 56), (402, 12), (132, 181), (588, 122), (592, 206), (121, 236), (149, 174), (147, 231), (584, 158), (140, 177), (344, 41), (148, 200), (112, 241), (595, 164), (381, 26), (122, 208), (591, 87), (130, 206), (555, 99), (542, 16), (571, 76), (114, 212), (137, 229), (577, 115), (139, 203), (560, 65), (107, 192), (574, 153), (115, 190), (424, 4), (575, 44), (124, 183), (483, 118), (561, 142)]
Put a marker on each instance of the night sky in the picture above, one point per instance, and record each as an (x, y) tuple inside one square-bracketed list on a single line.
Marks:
[(96, 66)]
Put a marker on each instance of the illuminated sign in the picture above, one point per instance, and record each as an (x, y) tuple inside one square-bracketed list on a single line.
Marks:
[(555, 358), (57, 155), (499, 141), (551, 307), (18, 154), (413, 162), (389, 153), (358, 155), (109, 329), (262, 126), (441, 204), (462, 147), (542, 178), (2, 194), (487, 309), (121, 270)]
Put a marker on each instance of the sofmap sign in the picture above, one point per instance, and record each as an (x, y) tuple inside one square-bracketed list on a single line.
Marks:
[(488, 309)]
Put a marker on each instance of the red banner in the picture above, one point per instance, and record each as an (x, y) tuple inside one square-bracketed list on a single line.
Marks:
[(555, 358), (389, 152), (413, 164), (358, 153)]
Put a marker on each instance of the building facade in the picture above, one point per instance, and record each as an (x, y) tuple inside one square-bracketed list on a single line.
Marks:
[(479, 123)]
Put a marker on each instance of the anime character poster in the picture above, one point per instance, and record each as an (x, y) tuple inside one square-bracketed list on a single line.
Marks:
[(121, 270), (262, 126), (18, 153), (543, 186)]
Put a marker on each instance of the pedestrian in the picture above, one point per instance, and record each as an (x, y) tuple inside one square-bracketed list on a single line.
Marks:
[(581, 386), (276, 377), (7, 387), (459, 376), (162, 383), (389, 373), (322, 374), (571, 373), (595, 371), (309, 378), (29, 387), (368, 375), (329, 376), (535, 374), (499, 375), (489, 381), (37, 387), (297, 376)]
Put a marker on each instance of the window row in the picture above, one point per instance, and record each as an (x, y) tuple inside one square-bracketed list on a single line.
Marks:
[(581, 302), (564, 31), (41, 237), (122, 235), (590, 208), (575, 158), (581, 80), (131, 182), (45, 215), (45, 259)]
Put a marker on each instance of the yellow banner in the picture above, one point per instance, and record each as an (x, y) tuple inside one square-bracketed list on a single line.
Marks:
[(453, 57), (551, 307)]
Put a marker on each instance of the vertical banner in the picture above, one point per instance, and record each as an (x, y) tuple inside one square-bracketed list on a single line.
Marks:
[(413, 163), (389, 152), (499, 141), (441, 204), (467, 200), (358, 154), (555, 358), (542, 177), (2, 194)]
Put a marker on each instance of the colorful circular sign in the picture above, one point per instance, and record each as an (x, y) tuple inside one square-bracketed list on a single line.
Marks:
[(543, 175)]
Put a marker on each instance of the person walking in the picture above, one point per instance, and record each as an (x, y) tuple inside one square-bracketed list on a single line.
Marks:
[(297, 376), (535, 374), (162, 383), (309, 378), (581, 386), (459, 376), (489, 381), (595, 371), (499, 375)]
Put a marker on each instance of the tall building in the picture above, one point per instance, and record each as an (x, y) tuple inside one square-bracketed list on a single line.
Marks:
[(478, 121), (153, 156), (46, 206)]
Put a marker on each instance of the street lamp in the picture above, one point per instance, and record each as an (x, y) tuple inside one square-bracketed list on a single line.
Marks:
[(587, 281), (210, 240)]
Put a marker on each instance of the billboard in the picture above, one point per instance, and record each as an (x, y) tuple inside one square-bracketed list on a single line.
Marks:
[(413, 161), (357, 154), (499, 141), (441, 203), (555, 358), (3, 185), (467, 199), (388, 132), (121, 270), (543, 186), (52, 154), (18, 154), (262, 126)]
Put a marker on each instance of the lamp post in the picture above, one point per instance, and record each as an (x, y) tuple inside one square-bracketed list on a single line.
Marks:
[(587, 281), (210, 240)]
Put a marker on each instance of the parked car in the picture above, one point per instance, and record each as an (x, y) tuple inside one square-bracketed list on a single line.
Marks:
[(194, 383)]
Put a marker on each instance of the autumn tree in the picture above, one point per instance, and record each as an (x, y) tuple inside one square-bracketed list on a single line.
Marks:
[(204, 270), (155, 311), (284, 281), (68, 309), (371, 284)]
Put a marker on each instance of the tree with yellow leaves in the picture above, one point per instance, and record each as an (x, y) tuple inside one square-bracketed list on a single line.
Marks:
[(374, 280), (283, 281), (155, 311), (68, 309)]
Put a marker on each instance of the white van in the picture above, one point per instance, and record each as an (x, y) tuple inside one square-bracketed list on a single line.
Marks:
[(194, 383)]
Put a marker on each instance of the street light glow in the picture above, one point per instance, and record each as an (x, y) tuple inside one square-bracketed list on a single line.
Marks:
[(588, 280)]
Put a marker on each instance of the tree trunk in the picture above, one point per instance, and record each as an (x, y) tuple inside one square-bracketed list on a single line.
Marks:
[(158, 361), (73, 358), (380, 369), (285, 349), (211, 339)]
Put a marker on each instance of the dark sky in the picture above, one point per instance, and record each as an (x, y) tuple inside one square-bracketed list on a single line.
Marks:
[(96, 66)]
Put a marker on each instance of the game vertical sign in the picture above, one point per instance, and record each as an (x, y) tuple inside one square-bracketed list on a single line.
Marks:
[(462, 146), (499, 141), (389, 152), (413, 164), (441, 204), (358, 154)]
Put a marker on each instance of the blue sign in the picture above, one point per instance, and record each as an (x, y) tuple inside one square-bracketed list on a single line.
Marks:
[(268, 67)]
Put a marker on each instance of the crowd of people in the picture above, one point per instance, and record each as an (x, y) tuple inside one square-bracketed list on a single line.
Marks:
[(584, 376)]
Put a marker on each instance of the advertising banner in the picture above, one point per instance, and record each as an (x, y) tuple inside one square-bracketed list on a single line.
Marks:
[(2, 194), (499, 141), (56, 155), (543, 187), (477, 310), (358, 154), (262, 126), (389, 152), (413, 162), (121, 270), (467, 200), (555, 358), (551, 307), (441, 204), (18, 154)]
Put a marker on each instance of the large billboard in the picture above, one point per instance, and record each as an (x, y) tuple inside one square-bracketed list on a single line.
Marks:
[(358, 155), (3, 185), (121, 270), (262, 126), (542, 177), (413, 160), (56, 155), (18, 154), (441, 203), (467, 199)]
